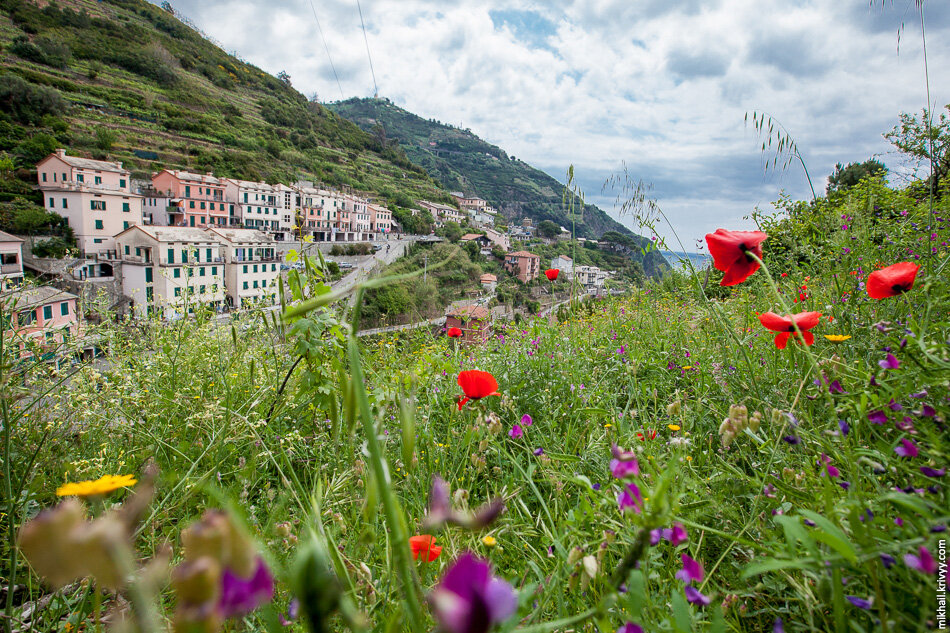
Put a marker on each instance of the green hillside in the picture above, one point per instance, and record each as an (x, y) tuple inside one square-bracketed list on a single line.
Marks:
[(461, 161), (126, 80)]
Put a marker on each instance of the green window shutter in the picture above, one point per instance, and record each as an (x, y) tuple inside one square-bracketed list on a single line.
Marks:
[(209, 254), (122, 182), (64, 308), (187, 191), (125, 207), (171, 256), (214, 270), (47, 312), (245, 268), (148, 275), (177, 292), (99, 224), (149, 293), (245, 285), (184, 257), (125, 225), (126, 249), (201, 271), (177, 273)]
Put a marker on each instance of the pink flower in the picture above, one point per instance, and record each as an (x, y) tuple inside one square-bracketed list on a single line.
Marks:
[(691, 571), (516, 431), (630, 497), (526, 420), (469, 599), (923, 562)]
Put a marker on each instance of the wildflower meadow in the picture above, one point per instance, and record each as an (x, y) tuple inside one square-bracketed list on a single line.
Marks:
[(757, 446)]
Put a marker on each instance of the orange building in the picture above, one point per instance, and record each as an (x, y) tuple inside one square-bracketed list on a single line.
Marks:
[(196, 199)]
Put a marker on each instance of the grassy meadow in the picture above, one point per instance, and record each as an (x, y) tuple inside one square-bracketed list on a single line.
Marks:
[(813, 508)]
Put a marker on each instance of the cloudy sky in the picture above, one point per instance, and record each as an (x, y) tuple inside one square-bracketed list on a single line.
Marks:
[(660, 86)]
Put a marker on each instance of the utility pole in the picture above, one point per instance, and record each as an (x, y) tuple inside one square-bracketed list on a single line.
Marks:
[(425, 267)]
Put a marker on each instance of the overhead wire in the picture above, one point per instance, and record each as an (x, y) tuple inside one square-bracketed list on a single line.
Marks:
[(327, 48), (368, 55)]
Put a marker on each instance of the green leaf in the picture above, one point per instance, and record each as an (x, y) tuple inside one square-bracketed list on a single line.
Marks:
[(773, 564), (682, 620), (831, 535)]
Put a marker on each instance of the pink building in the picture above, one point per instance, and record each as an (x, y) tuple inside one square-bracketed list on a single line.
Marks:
[(95, 197), (11, 261), (380, 219), (474, 321), (39, 320), (526, 266), (196, 200)]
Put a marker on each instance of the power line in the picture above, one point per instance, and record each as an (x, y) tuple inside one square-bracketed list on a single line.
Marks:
[(365, 39), (320, 29)]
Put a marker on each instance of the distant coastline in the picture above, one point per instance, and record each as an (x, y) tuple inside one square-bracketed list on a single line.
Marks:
[(677, 259)]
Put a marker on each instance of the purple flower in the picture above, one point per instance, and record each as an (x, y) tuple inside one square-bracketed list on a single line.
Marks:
[(933, 472), (469, 600), (240, 596), (693, 596), (907, 448), (835, 387), (877, 417), (620, 469), (792, 439), (893, 405), (526, 420), (691, 571), (778, 626), (860, 603), (888, 560), (844, 484), (630, 627), (678, 534), (844, 427), (655, 537), (538, 452), (595, 487), (922, 562), (810, 523), (927, 411), (938, 529), (890, 362), (516, 431), (630, 497)]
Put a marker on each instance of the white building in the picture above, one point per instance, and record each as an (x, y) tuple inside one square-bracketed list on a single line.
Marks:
[(171, 271), (259, 205), (565, 264), (251, 266), (95, 197)]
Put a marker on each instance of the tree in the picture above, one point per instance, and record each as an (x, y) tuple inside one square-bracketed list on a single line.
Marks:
[(451, 231), (548, 229), (844, 178), (284, 78), (925, 141)]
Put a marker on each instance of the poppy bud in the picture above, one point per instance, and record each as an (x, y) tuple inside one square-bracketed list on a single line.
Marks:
[(674, 408), (316, 586), (483, 445), (43, 540), (755, 421), (95, 544), (209, 537), (575, 555), (197, 582)]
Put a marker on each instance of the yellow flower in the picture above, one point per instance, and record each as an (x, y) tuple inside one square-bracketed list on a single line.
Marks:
[(489, 540), (837, 338), (687, 367), (673, 427), (100, 486)]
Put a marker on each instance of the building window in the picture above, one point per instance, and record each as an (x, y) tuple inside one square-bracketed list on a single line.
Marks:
[(171, 256), (126, 249), (201, 290), (208, 253), (149, 293), (202, 205), (97, 205), (44, 176), (98, 240), (47, 313), (201, 271), (64, 308), (122, 182), (191, 204), (177, 273), (187, 191), (65, 206), (52, 203), (214, 270), (99, 224), (79, 178), (125, 207), (148, 275), (255, 267), (98, 180), (255, 283), (245, 285), (245, 268), (125, 225), (273, 268), (177, 292), (184, 257)]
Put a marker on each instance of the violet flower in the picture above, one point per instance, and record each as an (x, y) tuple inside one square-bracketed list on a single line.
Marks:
[(692, 570), (630, 497), (860, 603), (240, 596), (516, 431), (469, 599), (630, 627), (694, 596), (890, 362), (933, 472), (526, 420), (888, 560), (778, 626), (844, 427), (877, 417), (907, 448), (678, 534), (922, 562)]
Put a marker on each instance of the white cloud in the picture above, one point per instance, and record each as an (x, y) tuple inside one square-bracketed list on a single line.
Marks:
[(661, 85)]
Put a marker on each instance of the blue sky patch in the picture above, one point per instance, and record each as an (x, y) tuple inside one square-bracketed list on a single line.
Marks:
[(529, 27)]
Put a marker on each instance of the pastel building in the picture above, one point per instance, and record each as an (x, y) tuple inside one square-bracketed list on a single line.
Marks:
[(250, 266), (526, 266), (319, 209), (95, 197), (565, 264), (259, 206), (171, 271), (287, 203), (196, 200), (380, 219), (11, 261), (442, 213), (39, 320)]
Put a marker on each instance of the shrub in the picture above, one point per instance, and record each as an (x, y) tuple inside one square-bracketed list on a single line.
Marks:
[(56, 247), (27, 103), (36, 148)]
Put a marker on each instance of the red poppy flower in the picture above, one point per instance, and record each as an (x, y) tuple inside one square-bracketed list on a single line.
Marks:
[(651, 435), (728, 250), (424, 547), (892, 281), (785, 327), (454, 332), (476, 385), (551, 273)]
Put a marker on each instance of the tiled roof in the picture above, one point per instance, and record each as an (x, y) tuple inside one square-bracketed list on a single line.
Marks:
[(242, 235), (523, 254), (88, 163), (6, 237), (187, 175), (469, 312), (487, 277), (175, 233), (32, 297)]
